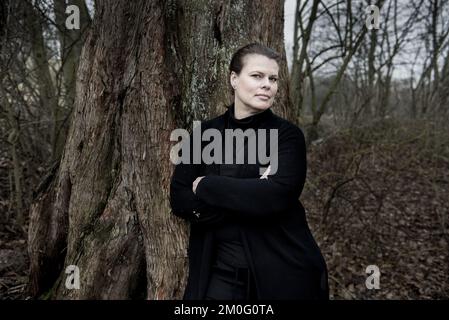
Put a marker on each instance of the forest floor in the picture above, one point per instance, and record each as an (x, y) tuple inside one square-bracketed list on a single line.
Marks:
[(375, 195), (378, 195), (13, 263)]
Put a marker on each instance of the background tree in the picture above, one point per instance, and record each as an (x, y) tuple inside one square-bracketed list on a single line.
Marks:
[(34, 106), (337, 39), (375, 110)]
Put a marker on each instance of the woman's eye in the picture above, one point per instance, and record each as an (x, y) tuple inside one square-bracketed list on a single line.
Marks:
[(274, 79), (256, 75)]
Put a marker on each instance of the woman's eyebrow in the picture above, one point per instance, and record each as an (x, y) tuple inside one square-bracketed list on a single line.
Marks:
[(273, 75)]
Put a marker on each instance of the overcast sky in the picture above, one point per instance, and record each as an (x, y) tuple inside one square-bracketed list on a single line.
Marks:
[(289, 19)]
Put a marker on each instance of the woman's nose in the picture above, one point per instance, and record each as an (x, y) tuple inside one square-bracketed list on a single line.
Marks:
[(266, 83)]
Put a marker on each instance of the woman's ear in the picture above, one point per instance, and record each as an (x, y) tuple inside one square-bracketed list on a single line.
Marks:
[(232, 79)]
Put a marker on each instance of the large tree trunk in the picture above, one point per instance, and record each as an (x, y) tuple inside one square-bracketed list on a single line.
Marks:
[(147, 67)]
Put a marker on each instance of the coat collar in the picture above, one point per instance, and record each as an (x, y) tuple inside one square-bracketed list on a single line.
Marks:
[(248, 122)]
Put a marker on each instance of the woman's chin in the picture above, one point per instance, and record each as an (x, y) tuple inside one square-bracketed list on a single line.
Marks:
[(263, 105)]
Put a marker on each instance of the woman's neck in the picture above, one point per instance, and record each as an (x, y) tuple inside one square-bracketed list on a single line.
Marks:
[(241, 112)]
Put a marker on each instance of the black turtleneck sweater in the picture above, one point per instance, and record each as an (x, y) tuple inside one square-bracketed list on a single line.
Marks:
[(228, 243)]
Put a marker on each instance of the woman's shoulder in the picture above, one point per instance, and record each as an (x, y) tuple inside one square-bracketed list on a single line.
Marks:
[(287, 128), (215, 122)]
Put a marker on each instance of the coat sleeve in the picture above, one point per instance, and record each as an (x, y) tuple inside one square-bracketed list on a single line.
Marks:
[(261, 198), (185, 204)]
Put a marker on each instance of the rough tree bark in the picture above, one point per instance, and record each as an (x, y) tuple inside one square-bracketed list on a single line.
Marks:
[(147, 67)]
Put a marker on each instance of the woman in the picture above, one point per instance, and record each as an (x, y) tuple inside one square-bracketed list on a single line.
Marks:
[(249, 236)]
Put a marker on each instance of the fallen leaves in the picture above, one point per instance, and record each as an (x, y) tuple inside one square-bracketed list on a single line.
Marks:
[(393, 211)]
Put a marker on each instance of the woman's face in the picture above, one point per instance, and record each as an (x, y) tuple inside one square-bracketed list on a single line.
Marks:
[(256, 85)]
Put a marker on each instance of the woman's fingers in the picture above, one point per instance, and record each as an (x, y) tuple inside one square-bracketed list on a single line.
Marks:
[(195, 183)]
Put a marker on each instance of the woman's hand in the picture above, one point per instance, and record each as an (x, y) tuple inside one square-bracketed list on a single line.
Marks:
[(195, 183)]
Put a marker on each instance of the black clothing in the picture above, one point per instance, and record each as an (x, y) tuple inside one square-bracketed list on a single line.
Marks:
[(281, 254), (228, 242), (231, 283)]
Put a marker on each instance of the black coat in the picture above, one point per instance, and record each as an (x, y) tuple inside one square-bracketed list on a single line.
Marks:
[(281, 251)]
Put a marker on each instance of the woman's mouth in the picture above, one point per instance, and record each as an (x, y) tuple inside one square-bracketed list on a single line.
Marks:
[(263, 97)]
